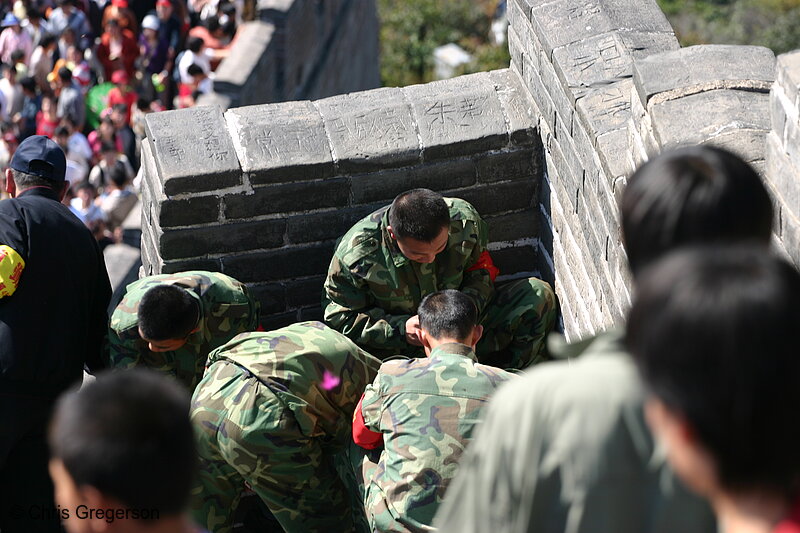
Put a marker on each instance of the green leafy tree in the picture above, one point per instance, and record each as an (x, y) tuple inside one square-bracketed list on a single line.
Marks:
[(412, 29)]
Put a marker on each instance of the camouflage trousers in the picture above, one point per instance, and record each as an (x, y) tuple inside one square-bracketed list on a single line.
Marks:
[(247, 436), (516, 321)]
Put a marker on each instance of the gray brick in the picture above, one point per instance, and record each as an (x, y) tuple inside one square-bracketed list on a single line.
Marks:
[(518, 107), (271, 295), (189, 211), (540, 94), (568, 149), (746, 143), (612, 148), (278, 320), (566, 21), (370, 129), (677, 122), (311, 313), (220, 239), (313, 227), (783, 175), (514, 226), (289, 197), (282, 264), (791, 237), (779, 107), (788, 76), (437, 176), (281, 142), (304, 292), (193, 150), (515, 47), (700, 68), (500, 197), (508, 165), (196, 263), (511, 261), (587, 63), (606, 109), (563, 98), (459, 116)]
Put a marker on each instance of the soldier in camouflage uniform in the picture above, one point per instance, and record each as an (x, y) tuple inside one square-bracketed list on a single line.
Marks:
[(422, 412), (272, 412), (387, 262), (219, 307)]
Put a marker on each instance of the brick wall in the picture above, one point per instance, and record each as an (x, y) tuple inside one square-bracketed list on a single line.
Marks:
[(613, 88), (262, 192), (300, 49)]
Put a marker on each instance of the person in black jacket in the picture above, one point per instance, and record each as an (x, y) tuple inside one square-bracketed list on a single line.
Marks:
[(54, 292)]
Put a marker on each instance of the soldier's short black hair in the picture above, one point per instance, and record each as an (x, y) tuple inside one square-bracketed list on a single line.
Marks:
[(128, 435), (167, 312), (698, 194), (448, 313), (419, 214), (713, 331)]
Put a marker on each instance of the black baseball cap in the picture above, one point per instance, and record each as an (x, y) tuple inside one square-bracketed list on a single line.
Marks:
[(40, 156)]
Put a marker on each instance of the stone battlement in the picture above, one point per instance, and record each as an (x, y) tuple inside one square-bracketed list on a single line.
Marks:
[(542, 149)]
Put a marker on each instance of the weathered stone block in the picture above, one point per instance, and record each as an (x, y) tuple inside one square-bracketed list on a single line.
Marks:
[(458, 116), (304, 292), (271, 295), (193, 150), (437, 176), (563, 97), (278, 320), (791, 237), (605, 109), (220, 239), (788, 76), (701, 68), (499, 197), (599, 59), (747, 144), (518, 106), (515, 260), (285, 263), (281, 142), (371, 129), (189, 211), (289, 197), (514, 226), (313, 227), (783, 175), (507, 165), (612, 148), (677, 122), (540, 94), (195, 263), (564, 140), (567, 21)]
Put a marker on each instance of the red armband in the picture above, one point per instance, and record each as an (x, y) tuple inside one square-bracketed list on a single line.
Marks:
[(485, 262), (362, 435)]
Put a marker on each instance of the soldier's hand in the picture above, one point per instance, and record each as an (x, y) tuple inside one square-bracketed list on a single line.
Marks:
[(412, 331)]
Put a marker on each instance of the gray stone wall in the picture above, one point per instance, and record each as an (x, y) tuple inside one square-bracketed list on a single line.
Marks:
[(262, 192), (783, 153), (613, 88), (300, 49)]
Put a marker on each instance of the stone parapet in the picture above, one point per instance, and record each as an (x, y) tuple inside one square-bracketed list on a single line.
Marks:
[(262, 192)]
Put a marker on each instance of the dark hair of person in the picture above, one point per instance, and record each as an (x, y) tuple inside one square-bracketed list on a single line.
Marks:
[(61, 131), (448, 314), (167, 312), (16, 56), (420, 214), (194, 69), (713, 331), (119, 177), (28, 83), (107, 146), (23, 180), (47, 40), (120, 108), (699, 194), (194, 44), (65, 74), (128, 435), (85, 185), (212, 23)]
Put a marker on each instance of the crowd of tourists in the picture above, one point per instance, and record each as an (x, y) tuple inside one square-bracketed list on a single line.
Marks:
[(434, 397), (85, 72)]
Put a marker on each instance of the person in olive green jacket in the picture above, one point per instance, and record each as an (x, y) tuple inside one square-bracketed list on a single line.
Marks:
[(565, 448), (422, 243), (171, 322)]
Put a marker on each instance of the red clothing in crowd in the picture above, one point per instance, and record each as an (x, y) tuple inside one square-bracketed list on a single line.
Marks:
[(129, 98), (44, 126), (127, 55), (790, 524)]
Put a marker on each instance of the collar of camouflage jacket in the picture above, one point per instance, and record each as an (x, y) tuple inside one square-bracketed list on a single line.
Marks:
[(454, 348)]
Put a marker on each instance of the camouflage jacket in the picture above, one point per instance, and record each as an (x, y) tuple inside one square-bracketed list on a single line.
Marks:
[(427, 410), (226, 309), (318, 373), (372, 289)]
